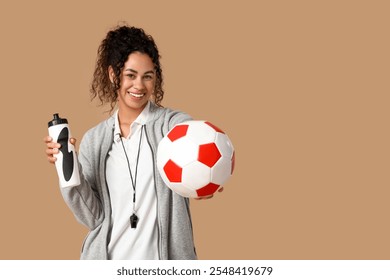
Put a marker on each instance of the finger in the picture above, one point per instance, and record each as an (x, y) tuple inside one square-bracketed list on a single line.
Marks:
[(51, 152), (47, 139), (220, 189), (204, 197), (51, 159), (49, 142), (53, 145)]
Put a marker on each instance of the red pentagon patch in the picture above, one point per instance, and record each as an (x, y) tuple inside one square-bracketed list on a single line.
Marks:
[(173, 171), (208, 154), (217, 129), (177, 132), (207, 190)]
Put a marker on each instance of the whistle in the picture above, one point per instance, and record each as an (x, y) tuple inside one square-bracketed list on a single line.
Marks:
[(133, 221)]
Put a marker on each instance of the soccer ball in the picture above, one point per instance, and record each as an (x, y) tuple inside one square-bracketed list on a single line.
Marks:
[(195, 158)]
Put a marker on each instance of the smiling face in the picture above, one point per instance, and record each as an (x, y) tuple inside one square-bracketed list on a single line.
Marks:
[(137, 83)]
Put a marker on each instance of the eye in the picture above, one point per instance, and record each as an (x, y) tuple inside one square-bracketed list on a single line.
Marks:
[(148, 77), (131, 76)]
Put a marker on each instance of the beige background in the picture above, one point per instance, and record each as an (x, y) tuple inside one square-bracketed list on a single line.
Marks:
[(301, 88)]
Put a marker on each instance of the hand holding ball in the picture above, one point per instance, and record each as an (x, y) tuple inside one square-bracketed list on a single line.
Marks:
[(195, 158)]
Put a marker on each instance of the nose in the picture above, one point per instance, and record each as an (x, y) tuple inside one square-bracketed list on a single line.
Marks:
[(138, 84)]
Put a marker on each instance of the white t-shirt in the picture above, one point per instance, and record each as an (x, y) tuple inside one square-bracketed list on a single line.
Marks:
[(128, 243)]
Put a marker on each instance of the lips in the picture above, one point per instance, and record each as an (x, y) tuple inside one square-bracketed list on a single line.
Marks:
[(136, 95)]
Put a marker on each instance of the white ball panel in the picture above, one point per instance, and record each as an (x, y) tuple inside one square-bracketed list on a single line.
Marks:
[(224, 145), (183, 151), (221, 171), (200, 133), (182, 190), (164, 152), (196, 175)]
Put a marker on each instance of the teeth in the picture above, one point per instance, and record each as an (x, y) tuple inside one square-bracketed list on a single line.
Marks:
[(137, 95)]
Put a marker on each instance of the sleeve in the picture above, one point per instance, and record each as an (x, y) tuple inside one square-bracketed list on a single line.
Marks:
[(84, 200), (176, 117)]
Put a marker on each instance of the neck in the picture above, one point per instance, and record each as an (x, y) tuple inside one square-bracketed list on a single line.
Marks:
[(127, 117)]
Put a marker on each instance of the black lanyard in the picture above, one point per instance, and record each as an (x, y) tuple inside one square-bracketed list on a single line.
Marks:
[(134, 218)]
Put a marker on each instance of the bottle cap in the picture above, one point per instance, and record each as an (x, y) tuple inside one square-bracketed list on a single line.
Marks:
[(57, 120)]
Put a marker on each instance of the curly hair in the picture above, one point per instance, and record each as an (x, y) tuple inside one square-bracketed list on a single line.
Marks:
[(114, 51)]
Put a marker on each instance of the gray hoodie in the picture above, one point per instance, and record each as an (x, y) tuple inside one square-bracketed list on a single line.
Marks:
[(90, 202)]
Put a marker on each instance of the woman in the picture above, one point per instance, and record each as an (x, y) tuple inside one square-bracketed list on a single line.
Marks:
[(122, 199)]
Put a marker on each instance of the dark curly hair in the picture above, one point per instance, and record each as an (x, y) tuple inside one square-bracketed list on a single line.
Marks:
[(114, 51)]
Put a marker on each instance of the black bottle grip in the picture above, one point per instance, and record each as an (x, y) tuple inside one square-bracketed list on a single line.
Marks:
[(68, 160)]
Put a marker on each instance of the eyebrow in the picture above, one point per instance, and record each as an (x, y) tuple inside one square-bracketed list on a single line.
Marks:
[(134, 71)]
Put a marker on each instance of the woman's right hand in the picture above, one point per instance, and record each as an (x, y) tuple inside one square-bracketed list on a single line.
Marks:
[(52, 148)]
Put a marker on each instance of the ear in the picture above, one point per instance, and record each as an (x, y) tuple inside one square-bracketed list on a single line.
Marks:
[(111, 74)]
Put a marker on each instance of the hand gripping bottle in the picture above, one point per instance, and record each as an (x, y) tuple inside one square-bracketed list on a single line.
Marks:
[(66, 163)]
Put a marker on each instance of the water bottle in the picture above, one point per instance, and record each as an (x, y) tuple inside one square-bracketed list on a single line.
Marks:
[(66, 163)]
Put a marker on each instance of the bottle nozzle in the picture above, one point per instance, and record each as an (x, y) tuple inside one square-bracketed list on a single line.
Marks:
[(57, 120)]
